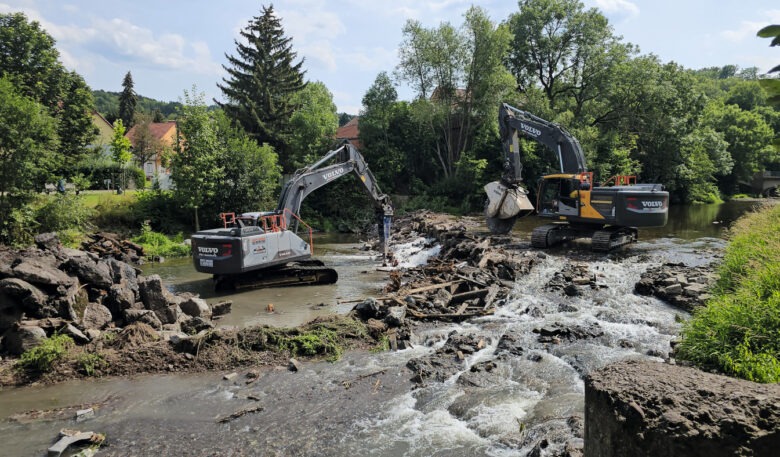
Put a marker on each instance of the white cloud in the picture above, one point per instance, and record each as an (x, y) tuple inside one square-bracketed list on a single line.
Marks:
[(617, 7), (748, 29)]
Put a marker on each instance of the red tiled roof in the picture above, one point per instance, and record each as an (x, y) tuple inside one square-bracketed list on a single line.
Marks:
[(159, 130), (349, 131)]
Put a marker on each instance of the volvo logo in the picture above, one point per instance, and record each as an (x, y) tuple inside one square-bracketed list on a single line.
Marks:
[(333, 174), (208, 251), (530, 130), (652, 204)]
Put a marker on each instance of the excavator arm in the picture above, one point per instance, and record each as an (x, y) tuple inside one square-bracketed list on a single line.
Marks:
[(307, 180), (507, 199)]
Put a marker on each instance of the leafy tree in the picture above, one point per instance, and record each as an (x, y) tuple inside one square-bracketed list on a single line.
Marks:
[(120, 144), (75, 128), (313, 124), (379, 105), (772, 85), (28, 139), (145, 145), (564, 49), (344, 118), (466, 70), (30, 61), (217, 167), (127, 101), (261, 80)]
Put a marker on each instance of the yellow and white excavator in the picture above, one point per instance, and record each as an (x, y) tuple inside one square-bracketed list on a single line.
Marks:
[(609, 214)]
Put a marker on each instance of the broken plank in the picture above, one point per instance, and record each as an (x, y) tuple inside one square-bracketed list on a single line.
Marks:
[(466, 278), (239, 413), (491, 296), (432, 287), (461, 297), (462, 308)]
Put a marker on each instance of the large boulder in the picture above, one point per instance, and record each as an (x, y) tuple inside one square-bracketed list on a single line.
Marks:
[(157, 298), (657, 409), (95, 274), (96, 316), (19, 339), (71, 301), (119, 298), (42, 271), (124, 274), (195, 306), (29, 298), (48, 241)]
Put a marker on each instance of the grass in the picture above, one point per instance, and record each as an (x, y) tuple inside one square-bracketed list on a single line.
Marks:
[(159, 245), (91, 362), (41, 358), (738, 332)]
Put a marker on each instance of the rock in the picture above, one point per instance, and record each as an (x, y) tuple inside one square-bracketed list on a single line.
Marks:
[(694, 290), (69, 437), (124, 274), (230, 376), (186, 343), (96, 316), (195, 325), (656, 409), (92, 333), (376, 327), (34, 301), (368, 308), (674, 289), (84, 414), (76, 334), (221, 308), (571, 290), (119, 298), (395, 316), (95, 274), (10, 312), (294, 365), (195, 307), (146, 316), (48, 241), (153, 293), (42, 271), (23, 338)]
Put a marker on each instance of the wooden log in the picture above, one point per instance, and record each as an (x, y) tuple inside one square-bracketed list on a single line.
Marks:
[(461, 297), (490, 297), (432, 287), (462, 308)]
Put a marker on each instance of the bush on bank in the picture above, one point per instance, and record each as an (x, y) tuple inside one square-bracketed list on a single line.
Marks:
[(738, 332)]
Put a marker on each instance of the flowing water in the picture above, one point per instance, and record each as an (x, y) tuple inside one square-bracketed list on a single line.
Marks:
[(365, 404)]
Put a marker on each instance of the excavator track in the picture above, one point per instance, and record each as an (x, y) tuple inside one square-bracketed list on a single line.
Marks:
[(609, 238), (302, 273), (549, 235)]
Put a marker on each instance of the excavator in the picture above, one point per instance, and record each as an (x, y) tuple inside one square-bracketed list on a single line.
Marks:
[(608, 214), (263, 249)]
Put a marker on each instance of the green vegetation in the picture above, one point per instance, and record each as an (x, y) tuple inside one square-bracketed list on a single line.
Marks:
[(738, 332), (41, 358), (159, 245), (91, 362)]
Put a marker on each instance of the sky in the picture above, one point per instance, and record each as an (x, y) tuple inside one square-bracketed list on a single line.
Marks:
[(170, 46)]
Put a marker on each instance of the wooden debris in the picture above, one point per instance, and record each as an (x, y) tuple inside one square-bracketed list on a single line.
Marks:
[(239, 413)]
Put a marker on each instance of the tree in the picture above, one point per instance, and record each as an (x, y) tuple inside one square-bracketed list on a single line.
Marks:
[(75, 128), (217, 167), (29, 60), (145, 145), (261, 80), (465, 69), (564, 49), (120, 144), (28, 139), (127, 101), (313, 124)]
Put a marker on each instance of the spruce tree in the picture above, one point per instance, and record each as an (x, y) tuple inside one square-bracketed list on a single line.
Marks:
[(262, 77), (127, 101)]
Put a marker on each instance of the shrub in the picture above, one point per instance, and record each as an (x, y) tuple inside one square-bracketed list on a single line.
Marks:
[(61, 212), (737, 332), (42, 357), (91, 362), (158, 245)]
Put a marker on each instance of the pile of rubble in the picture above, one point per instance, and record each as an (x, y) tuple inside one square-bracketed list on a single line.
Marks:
[(572, 278), (106, 244), (680, 285), (52, 289), (471, 277)]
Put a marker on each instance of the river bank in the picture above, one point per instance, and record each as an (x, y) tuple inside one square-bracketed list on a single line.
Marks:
[(507, 381)]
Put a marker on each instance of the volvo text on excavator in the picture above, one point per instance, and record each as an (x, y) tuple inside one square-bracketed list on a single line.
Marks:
[(263, 249), (608, 214)]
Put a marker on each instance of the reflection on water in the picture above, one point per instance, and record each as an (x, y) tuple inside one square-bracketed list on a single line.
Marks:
[(358, 278)]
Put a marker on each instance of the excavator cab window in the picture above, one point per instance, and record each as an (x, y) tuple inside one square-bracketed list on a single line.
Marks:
[(569, 196)]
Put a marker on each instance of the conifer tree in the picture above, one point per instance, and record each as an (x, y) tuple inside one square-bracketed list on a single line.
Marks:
[(262, 77), (127, 101)]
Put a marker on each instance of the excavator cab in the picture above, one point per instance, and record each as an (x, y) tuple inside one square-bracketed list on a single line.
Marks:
[(560, 195)]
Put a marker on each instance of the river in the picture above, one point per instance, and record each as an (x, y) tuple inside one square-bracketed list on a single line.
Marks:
[(365, 403)]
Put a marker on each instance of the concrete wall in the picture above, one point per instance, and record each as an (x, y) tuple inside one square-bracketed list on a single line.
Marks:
[(656, 409)]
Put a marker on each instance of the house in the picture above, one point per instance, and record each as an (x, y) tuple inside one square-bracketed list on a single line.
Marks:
[(350, 132), (102, 141), (161, 136)]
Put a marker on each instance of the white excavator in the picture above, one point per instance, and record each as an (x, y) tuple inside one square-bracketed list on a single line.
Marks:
[(264, 249)]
